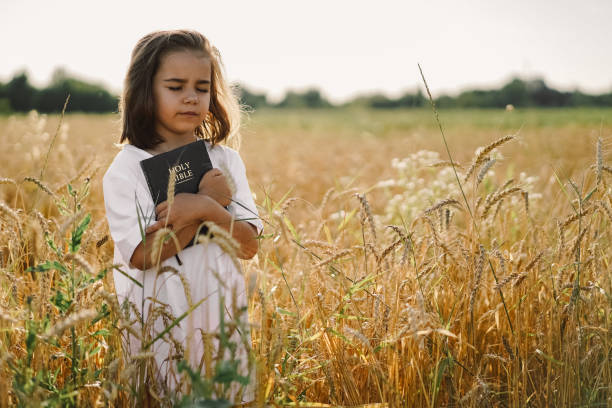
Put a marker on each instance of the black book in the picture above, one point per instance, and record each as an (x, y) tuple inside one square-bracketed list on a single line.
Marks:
[(190, 163)]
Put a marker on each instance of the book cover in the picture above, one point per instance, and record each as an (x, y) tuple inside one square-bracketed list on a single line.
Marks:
[(190, 163)]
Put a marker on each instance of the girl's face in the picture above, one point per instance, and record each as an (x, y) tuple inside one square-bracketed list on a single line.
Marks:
[(181, 92)]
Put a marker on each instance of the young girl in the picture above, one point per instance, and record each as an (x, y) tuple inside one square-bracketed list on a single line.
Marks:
[(174, 94)]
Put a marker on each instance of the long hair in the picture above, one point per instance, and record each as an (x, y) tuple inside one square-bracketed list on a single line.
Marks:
[(137, 105)]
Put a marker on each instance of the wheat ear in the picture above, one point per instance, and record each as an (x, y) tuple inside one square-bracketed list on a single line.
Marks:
[(479, 159)]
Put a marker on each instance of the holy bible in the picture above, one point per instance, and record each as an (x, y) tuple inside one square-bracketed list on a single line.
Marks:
[(190, 163)]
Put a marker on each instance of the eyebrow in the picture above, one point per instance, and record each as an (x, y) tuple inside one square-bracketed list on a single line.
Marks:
[(182, 81)]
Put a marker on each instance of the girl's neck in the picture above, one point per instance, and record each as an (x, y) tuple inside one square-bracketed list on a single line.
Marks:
[(170, 144)]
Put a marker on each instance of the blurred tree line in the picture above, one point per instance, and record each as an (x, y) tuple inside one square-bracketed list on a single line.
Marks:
[(18, 95), (517, 92)]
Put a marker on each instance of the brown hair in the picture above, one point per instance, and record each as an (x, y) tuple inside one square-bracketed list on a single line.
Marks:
[(137, 105)]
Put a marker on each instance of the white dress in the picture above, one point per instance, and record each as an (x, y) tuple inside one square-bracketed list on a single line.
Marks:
[(208, 270)]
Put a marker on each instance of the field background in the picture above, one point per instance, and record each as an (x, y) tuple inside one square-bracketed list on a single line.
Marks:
[(293, 159)]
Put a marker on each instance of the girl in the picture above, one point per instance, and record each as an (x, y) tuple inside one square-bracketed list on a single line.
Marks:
[(174, 94)]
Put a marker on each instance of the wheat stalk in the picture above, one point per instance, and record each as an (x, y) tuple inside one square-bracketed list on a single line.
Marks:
[(446, 163), (576, 216), (482, 155), (498, 198), (477, 277), (325, 199), (39, 184), (390, 248), (4, 180), (441, 204), (336, 256), (171, 188), (69, 222), (367, 214), (12, 214), (598, 161), (159, 240), (483, 171), (603, 205), (79, 260), (70, 321), (184, 282), (506, 280)]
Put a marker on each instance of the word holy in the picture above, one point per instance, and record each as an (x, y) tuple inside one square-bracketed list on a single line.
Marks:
[(183, 172)]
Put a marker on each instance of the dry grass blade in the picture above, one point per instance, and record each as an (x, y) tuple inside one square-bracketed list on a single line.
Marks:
[(59, 126)]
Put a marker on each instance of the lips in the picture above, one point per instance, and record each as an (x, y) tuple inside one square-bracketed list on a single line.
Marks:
[(189, 113)]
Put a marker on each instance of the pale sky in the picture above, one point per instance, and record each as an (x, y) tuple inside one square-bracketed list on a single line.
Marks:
[(342, 47)]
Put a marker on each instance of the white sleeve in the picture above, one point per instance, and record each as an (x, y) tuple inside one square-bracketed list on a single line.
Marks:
[(123, 211), (243, 206)]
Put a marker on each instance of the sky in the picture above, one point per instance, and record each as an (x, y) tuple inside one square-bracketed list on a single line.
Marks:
[(344, 48)]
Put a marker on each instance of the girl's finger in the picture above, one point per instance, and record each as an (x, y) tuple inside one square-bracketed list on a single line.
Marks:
[(161, 206), (154, 227), (159, 224)]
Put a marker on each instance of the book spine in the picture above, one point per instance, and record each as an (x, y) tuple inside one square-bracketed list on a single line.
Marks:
[(148, 182)]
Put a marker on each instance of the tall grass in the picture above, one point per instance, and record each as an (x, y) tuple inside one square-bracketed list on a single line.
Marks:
[(371, 288)]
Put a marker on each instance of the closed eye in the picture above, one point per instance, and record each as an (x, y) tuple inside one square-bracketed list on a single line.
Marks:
[(178, 88)]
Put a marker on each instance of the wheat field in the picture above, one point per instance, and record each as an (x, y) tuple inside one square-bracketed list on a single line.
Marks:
[(386, 274)]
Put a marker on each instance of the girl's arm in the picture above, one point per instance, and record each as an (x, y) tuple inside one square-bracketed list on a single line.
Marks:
[(142, 257), (206, 208), (184, 217)]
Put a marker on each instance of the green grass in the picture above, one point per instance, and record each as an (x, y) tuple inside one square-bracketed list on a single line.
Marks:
[(383, 121)]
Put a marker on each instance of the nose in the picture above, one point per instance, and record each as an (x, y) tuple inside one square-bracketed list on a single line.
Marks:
[(191, 98)]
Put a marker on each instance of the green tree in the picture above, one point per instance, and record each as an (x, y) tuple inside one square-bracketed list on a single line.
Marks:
[(20, 93), (251, 99), (310, 98), (515, 93)]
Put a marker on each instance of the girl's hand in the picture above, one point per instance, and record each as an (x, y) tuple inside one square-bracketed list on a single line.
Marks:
[(186, 209), (214, 185)]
